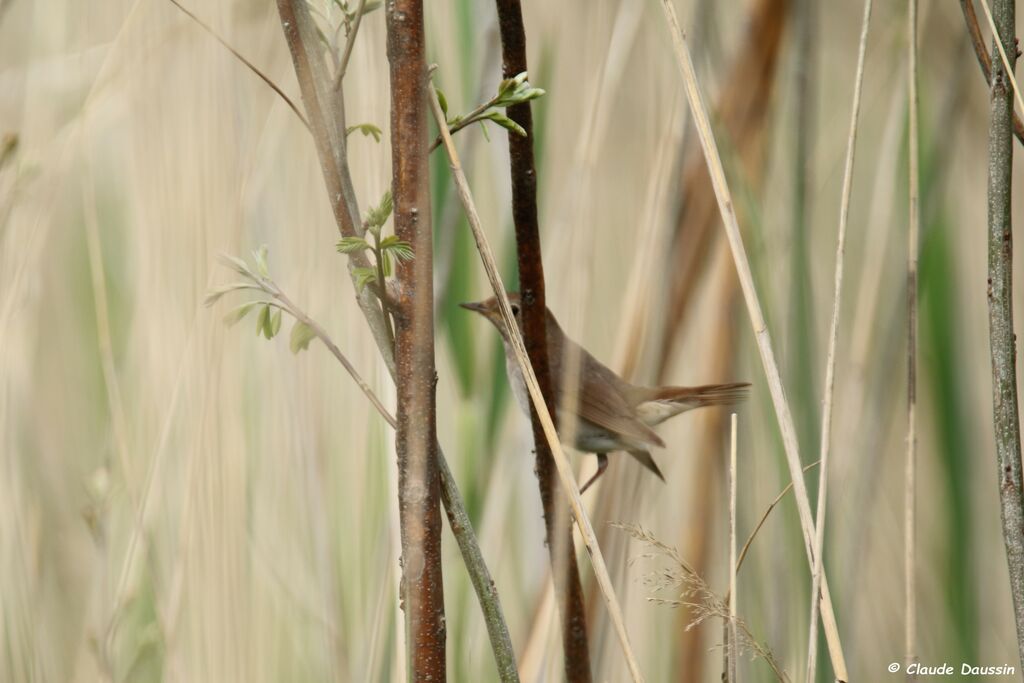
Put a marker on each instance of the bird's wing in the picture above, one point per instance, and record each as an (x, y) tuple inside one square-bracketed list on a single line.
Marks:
[(598, 399)]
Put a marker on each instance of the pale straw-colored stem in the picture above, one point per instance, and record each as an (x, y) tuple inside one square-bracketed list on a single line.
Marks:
[(733, 651), (561, 462), (833, 340), (761, 334), (910, 479)]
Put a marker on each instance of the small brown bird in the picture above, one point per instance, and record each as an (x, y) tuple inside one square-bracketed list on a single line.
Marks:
[(610, 414)]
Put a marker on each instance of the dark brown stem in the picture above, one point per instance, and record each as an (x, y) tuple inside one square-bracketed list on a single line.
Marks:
[(568, 589), (419, 494), (1002, 340), (984, 60)]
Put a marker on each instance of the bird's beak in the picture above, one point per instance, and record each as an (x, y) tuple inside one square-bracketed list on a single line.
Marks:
[(474, 306)]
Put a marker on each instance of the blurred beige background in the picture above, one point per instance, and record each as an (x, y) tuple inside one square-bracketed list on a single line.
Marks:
[(184, 501)]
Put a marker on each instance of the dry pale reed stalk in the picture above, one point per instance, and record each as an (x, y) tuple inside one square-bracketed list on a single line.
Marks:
[(733, 649), (561, 462), (914, 227), (761, 334), (833, 340)]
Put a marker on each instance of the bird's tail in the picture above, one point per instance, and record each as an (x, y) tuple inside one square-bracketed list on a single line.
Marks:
[(656, 404), (707, 395)]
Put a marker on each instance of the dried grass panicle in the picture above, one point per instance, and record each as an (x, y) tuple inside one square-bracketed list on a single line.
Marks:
[(693, 592)]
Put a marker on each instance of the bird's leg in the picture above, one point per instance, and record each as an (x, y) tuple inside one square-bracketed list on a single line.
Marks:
[(602, 465)]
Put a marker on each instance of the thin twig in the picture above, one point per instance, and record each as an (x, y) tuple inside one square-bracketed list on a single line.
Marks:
[(833, 340), (764, 517), (913, 247), (1002, 340), (349, 42), (782, 409), (238, 55), (540, 408)]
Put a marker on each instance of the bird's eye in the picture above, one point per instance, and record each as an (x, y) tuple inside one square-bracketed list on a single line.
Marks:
[(515, 309)]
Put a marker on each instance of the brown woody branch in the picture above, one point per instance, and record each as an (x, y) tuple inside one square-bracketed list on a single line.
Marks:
[(416, 441)]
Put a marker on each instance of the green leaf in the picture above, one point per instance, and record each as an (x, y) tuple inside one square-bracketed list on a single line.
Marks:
[(302, 335), (236, 314), (386, 264), (351, 245), (399, 249), (516, 91), (511, 85), (237, 264), (521, 95), (443, 101), (216, 294), (364, 276), (377, 216), (367, 129), (275, 323), (260, 257), (263, 322), (505, 122), (371, 6)]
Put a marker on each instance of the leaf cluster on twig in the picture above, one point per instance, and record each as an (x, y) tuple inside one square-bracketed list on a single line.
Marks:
[(511, 91), (270, 304)]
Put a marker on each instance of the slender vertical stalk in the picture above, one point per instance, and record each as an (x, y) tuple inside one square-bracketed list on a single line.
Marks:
[(1002, 340), (419, 495), (760, 326), (833, 340), (913, 247), (563, 468), (733, 650), (565, 572), (802, 371)]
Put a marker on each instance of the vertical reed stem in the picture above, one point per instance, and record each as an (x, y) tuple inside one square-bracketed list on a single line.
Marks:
[(733, 649)]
